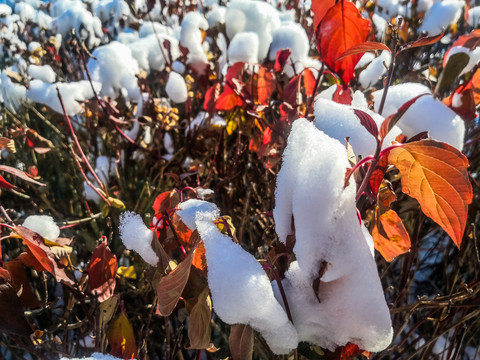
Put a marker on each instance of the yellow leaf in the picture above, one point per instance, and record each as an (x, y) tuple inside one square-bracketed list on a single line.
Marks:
[(128, 272), (435, 174), (121, 338), (390, 236)]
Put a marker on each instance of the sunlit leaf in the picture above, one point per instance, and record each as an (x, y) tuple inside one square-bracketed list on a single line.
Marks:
[(265, 85), (281, 59), (390, 236), (341, 29), (166, 200), (436, 175), (121, 338), (309, 82), (364, 47), (319, 9), (102, 272)]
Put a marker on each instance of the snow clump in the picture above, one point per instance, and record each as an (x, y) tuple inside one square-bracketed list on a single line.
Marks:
[(440, 16), (441, 122), (310, 189), (176, 88), (241, 290), (136, 236), (43, 225)]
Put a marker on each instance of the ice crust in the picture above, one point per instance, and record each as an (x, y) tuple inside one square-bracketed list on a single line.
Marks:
[(136, 236), (426, 114)]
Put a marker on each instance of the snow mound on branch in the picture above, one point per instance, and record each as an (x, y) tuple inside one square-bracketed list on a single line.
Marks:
[(243, 47), (72, 94), (474, 16), (339, 122), (241, 290), (440, 16), (191, 37), (310, 189), (114, 67), (44, 73), (473, 55), (426, 114), (43, 225), (146, 50), (12, 95), (377, 68), (95, 356), (136, 236), (176, 88), (252, 16)]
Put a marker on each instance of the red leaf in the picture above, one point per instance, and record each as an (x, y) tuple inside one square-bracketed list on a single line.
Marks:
[(211, 98), (290, 92), (265, 85), (364, 47), (20, 283), (234, 71), (20, 174), (228, 100), (309, 82), (343, 96), (281, 59), (469, 41), (424, 41), (5, 184), (42, 253), (164, 201), (462, 101), (319, 9), (378, 174), (12, 317), (367, 122), (102, 272), (342, 28)]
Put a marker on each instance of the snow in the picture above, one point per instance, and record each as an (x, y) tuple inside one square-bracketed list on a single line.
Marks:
[(375, 70), (252, 16), (310, 188), (43, 225), (146, 50), (474, 16), (95, 356), (25, 11), (5, 10), (290, 36), (438, 119), (105, 167), (176, 88), (72, 94), (114, 67), (149, 28), (243, 47), (136, 236), (241, 291), (339, 122), (44, 73), (440, 16), (12, 95), (191, 37), (216, 16)]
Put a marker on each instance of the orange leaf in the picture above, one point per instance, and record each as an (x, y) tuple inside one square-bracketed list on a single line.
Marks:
[(102, 272), (364, 47), (199, 259), (341, 29), (171, 286), (20, 283), (228, 100), (121, 338), (436, 175), (476, 87), (319, 9), (265, 85), (390, 236)]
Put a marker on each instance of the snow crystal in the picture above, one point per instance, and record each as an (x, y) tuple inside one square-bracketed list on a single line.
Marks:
[(72, 93), (243, 47), (44, 73), (192, 210), (136, 236), (43, 225), (377, 68), (339, 122), (114, 67), (426, 114), (310, 188), (440, 16), (176, 88)]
